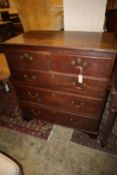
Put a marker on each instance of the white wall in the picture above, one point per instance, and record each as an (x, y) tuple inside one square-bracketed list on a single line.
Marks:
[(84, 15)]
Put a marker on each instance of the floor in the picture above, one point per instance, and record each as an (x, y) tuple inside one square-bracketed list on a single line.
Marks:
[(57, 156)]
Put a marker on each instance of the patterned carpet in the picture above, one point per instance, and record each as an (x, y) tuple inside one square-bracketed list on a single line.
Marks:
[(10, 117)]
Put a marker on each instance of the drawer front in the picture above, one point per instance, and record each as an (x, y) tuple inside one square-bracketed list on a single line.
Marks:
[(67, 119), (63, 82), (29, 60), (63, 101), (91, 66)]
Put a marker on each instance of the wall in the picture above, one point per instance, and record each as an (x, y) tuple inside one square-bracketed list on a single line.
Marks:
[(84, 15), (40, 14), (4, 70), (12, 8), (56, 2)]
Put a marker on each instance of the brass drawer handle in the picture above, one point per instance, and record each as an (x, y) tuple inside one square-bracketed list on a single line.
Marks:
[(26, 56), (53, 94), (53, 76), (35, 113), (75, 122), (79, 63), (38, 99), (79, 85), (33, 77), (31, 95), (81, 104), (54, 112)]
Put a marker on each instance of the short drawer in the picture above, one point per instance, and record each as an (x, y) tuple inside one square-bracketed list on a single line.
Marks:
[(31, 110), (89, 65), (63, 101), (63, 82), (29, 60)]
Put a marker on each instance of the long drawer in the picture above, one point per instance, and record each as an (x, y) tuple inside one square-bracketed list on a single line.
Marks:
[(31, 110), (89, 65), (40, 60), (63, 101), (64, 82)]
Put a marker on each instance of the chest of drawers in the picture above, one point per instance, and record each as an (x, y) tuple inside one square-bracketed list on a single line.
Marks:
[(62, 77)]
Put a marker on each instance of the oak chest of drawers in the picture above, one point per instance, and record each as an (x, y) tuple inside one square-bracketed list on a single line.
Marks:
[(62, 77)]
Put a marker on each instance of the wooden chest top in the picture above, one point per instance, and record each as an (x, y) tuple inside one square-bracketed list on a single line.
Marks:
[(97, 41)]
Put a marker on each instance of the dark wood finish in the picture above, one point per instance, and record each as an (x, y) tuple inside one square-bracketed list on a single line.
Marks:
[(44, 60), (111, 20), (14, 19), (91, 86), (33, 110), (92, 66), (6, 30), (46, 67), (60, 100), (94, 41), (30, 60)]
